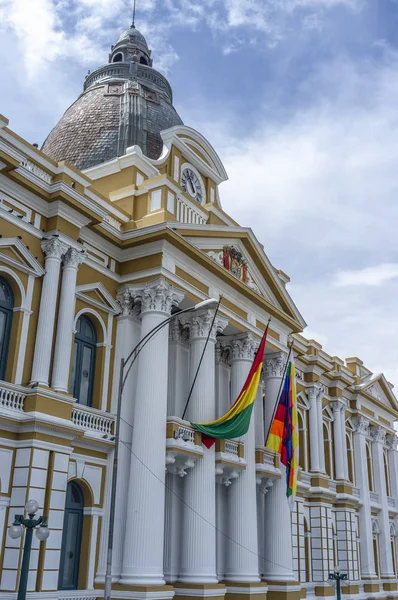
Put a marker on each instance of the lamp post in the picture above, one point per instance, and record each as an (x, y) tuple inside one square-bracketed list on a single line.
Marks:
[(338, 578), (15, 531), (128, 363)]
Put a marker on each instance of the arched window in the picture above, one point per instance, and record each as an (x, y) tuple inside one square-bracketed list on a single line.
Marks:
[(71, 538), (83, 363), (143, 60), (6, 312), (376, 553), (387, 473), (302, 440), (393, 547), (350, 458), (307, 551), (369, 466), (118, 57), (327, 444)]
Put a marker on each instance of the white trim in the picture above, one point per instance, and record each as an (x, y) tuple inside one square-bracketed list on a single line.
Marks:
[(171, 137), (133, 157), (24, 331), (32, 267), (68, 213), (18, 282), (95, 314), (107, 362), (113, 306)]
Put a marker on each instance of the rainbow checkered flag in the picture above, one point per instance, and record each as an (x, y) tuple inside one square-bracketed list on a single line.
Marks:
[(284, 437)]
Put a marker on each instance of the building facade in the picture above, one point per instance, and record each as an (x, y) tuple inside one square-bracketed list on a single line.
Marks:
[(90, 262)]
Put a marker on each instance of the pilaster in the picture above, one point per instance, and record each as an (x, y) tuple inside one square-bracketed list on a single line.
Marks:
[(63, 343), (54, 250)]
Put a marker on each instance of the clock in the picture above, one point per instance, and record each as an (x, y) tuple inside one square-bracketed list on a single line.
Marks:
[(191, 183)]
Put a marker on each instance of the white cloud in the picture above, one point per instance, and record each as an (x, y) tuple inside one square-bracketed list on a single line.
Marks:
[(373, 276)]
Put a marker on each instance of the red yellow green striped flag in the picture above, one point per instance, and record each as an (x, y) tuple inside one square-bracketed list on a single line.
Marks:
[(235, 422), (284, 437)]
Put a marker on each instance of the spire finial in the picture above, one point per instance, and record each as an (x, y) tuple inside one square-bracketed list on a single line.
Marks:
[(133, 23)]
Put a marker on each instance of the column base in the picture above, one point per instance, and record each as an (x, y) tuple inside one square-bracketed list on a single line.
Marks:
[(140, 592), (284, 590), (189, 591), (324, 591), (237, 590)]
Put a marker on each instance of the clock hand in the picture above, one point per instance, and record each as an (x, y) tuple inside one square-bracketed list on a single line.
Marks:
[(192, 185)]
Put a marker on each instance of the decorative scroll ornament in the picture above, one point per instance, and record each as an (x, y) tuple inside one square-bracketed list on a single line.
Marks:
[(233, 261)]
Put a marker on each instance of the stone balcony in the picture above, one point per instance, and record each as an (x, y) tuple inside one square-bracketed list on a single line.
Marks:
[(19, 404), (183, 446), (267, 468), (230, 461)]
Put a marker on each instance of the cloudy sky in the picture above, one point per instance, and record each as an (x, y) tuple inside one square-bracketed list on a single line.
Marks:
[(300, 99)]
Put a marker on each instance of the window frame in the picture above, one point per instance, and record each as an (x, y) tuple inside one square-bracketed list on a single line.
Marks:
[(72, 508), (8, 310), (80, 343)]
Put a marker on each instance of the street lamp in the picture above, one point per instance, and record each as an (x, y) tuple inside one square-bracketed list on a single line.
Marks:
[(338, 578), (205, 304), (15, 531)]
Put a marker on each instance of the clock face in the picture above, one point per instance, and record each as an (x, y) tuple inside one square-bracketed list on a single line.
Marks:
[(191, 184)]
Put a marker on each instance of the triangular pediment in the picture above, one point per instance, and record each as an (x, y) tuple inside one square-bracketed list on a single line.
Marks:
[(16, 255), (97, 295), (378, 388), (236, 250)]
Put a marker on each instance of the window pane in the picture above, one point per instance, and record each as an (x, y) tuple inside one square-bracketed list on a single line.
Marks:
[(71, 551), (73, 374), (85, 376), (3, 321), (5, 296)]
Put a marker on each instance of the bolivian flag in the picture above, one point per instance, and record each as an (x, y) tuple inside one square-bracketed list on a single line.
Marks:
[(284, 437), (236, 420)]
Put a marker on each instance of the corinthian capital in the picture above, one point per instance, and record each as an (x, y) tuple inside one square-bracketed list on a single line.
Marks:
[(244, 347), (274, 364), (201, 323), (159, 296), (391, 441), (361, 425), (73, 258), (53, 248), (378, 434)]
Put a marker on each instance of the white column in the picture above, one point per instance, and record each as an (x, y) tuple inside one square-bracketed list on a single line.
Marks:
[(378, 435), (54, 250), (173, 524), (144, 537), (362, 482), (66, 313), (315, 441), (278, 557), (198, 559), (127, 336), (321, 447), (223, 400), (178, 381), (340, 445), (261, 528), (259, 416), (242, 565)]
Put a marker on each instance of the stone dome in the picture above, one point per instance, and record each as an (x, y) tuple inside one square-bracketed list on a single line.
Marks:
[(124, 103)]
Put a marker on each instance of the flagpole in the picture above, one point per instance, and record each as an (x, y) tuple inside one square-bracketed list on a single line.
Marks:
[(279, 392), (201, 358)]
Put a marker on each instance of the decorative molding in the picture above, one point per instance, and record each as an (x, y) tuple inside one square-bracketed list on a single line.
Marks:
[(200, 324), (244, 348), (274, 364), (178, 333), (391, 441), (264, 484), (54, 248), (73, 258), (159, 296), (378, 434), (361, 425)]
